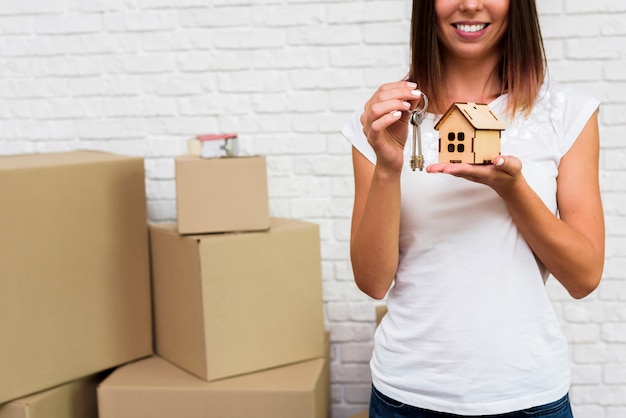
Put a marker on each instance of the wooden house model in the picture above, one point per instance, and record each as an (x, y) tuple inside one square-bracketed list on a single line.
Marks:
[(469, 133)]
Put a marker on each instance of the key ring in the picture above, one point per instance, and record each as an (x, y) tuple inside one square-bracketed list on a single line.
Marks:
[(419, 112)]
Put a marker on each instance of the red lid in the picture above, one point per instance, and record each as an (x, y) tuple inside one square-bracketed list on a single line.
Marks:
[(211, 137)]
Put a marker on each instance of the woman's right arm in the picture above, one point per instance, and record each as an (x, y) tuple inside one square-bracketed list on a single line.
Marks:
[(375, 230), (375, 226)]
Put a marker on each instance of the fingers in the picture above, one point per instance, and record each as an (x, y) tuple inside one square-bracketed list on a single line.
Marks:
[(390, 97)]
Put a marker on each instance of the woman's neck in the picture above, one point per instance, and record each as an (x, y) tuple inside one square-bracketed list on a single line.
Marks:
[(467, 81)]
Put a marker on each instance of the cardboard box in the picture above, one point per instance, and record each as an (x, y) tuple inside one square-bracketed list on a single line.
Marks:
[(154, 388), (77, 399), (221, 194), (74, 263), (362, 414), (381, 311), (229, 304)]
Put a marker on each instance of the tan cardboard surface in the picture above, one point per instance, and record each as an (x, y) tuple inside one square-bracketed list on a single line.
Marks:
[(381, 311), (221, 194), (77, 399), (362, 414), (230, 304), (75, 289), (154, 388)]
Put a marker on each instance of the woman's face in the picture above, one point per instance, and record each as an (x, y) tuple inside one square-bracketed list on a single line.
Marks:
[(471, 29)]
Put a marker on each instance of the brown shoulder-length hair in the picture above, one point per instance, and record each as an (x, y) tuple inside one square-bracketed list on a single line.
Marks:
[(521, 69)]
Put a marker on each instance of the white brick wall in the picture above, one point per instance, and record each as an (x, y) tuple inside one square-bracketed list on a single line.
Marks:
[(140, 77)]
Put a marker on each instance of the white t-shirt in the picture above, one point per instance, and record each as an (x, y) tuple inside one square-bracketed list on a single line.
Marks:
[(470, 328)]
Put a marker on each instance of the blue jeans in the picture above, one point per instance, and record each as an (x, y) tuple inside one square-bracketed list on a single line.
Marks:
[(382, 406)]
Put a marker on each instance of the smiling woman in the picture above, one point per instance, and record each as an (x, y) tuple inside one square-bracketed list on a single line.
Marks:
[(462, 256)]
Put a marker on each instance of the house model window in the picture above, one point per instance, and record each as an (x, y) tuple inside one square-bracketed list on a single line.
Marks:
[(469, 133)]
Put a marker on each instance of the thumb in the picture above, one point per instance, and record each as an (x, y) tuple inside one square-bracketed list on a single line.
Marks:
[(508, 164)]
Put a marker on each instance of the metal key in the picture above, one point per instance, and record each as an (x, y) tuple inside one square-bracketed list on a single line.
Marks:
[(417, 116)]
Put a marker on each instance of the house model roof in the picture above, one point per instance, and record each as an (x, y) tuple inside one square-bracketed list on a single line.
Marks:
[(478, 115)]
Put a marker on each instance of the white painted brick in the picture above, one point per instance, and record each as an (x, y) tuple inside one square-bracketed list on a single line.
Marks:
[(218, 17), (614, 333), (613, 29), (356, 353), (139, 21), (299, 186), (589, 411), (187, 40), (250, 38), (68, 24), (140, 64), (331, 35), (336, 393), (290, 59), (183, 128), (350, 373), (570, 26), (160, 168), (585, 7), (163, 210), (599, 395), (376, 11), (614, 70), (98, 5), (342, 291), (611, 289), (16, 25), (358, 394), (342, 271), (582, 333), (353, 312), (614, 412), (11, 7), (379, 33), (586, 374), (326, 79), (160, 188), (252, 82), (367, 56), (595, 353), (594, 48), (289, 15), (549, 7), (615, 374)]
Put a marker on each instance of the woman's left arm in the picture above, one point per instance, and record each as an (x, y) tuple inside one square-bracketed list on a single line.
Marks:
[(570, 246)]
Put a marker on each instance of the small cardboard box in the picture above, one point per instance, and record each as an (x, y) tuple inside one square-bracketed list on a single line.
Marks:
[(77, 399), (74, 268), (381, 311), (221, 194), (154, 388), (230, 304)]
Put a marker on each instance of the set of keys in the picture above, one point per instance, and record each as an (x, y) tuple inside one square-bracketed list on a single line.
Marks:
[(417, 116)]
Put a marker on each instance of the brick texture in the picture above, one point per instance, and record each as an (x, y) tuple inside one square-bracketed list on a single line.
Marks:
[(141, 77)]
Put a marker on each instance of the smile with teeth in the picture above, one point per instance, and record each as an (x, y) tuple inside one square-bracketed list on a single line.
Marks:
[(471, 28)]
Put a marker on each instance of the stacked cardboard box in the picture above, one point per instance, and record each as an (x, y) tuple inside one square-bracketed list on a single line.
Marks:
[(76, 399), (74, 266), (238, 313)]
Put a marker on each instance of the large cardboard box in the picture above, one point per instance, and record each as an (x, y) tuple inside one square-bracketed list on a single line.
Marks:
[(221, 194), (77, 399), (154, 388), (362, 414), (229, 304), (74, 268)]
